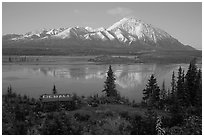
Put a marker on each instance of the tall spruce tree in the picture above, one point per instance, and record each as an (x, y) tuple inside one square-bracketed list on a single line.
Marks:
[(183, 79), (110, 87), (162, 96), (163, 93), (191, 84), (199, 89), (54, 90), (180, 86), (173, 86), (151, 92)]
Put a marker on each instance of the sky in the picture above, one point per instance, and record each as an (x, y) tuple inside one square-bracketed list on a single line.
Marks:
[(183, 21)]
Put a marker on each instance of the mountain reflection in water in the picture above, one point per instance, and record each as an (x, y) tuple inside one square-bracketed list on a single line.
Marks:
[(127, 76)]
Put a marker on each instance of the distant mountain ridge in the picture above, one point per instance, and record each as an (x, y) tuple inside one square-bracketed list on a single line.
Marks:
[(126, 32)]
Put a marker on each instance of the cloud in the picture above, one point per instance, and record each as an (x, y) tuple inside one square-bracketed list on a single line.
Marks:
[(120, 11)]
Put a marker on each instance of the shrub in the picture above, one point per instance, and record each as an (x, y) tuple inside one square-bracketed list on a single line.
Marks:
[(109, 113), (138, 125), (56, 124), (125, 114), (111, 126), (81, 117)]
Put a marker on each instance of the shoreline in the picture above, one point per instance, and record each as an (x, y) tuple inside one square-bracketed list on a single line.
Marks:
[(87, 60)]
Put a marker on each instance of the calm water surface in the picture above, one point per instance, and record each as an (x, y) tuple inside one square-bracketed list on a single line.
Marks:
[(34, 80)]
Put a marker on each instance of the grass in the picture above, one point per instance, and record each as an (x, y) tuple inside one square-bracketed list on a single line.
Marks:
[(113, 110)]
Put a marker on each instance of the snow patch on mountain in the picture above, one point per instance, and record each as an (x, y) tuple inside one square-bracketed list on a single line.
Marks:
[(64, 34)]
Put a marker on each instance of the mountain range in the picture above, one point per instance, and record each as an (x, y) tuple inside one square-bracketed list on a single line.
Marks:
[(126, 33)]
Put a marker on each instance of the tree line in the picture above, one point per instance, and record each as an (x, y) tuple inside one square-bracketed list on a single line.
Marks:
[(185, 92)]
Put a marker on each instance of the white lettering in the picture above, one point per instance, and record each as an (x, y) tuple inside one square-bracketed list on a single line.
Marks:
[(60, 96), (45, 96), (55, 96)]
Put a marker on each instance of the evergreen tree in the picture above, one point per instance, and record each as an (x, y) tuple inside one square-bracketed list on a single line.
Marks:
[(199, 89), (151, 92), (110, 87), (183, 78), (163, 91), (8, 91), (191, 84), (180, 86), (163, 96), (173, 85), (54, 90)]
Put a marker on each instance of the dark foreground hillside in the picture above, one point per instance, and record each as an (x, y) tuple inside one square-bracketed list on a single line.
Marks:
[(22, 115)]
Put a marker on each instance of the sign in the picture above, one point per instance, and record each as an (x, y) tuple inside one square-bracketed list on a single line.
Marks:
[(55, 97)]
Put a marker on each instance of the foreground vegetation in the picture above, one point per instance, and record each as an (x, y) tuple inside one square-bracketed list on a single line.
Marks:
[(174, 111)]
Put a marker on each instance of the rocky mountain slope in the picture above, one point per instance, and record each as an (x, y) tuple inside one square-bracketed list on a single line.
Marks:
[(128, 32)]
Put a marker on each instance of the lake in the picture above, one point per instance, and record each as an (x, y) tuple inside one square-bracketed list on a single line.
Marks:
[(84, 78)]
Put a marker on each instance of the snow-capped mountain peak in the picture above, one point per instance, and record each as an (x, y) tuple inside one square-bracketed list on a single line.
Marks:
[(127, 31), (130, 21), (141, 30)]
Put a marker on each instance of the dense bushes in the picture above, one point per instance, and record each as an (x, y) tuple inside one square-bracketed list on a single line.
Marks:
[(18, 113), (56, 124), (191, 126), (81, 117)]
